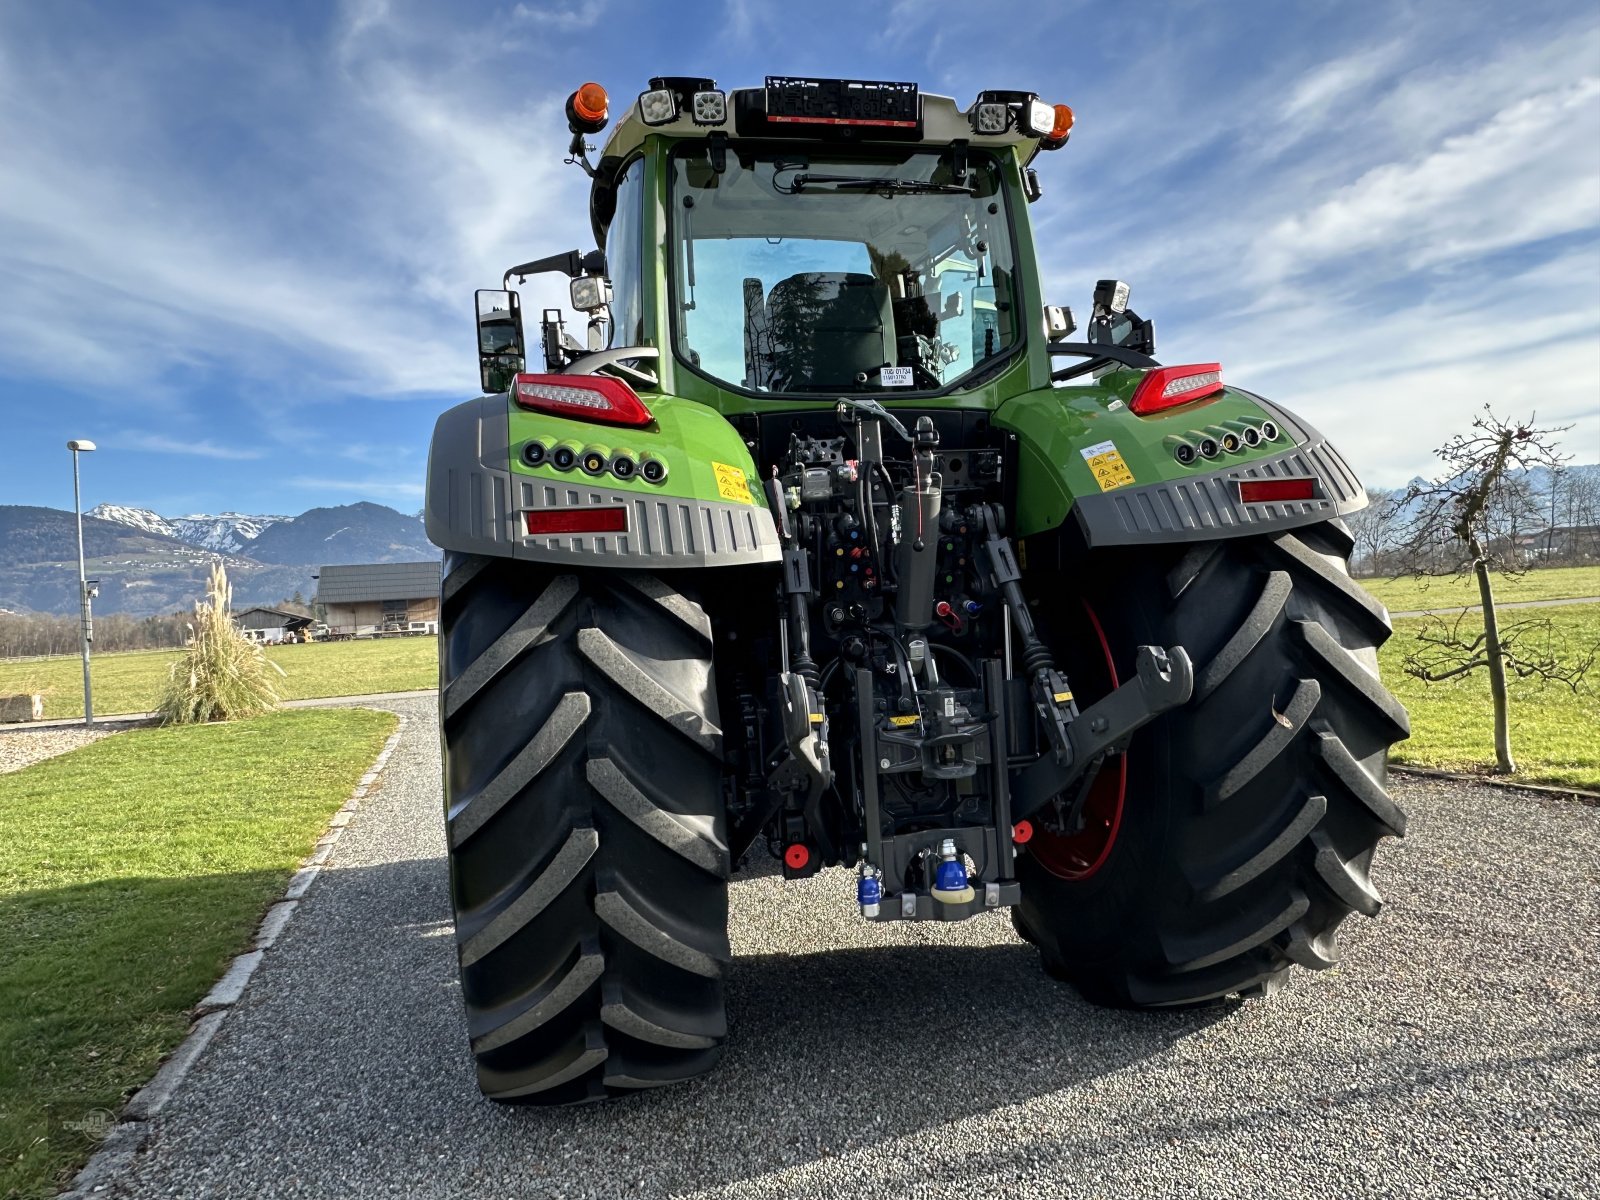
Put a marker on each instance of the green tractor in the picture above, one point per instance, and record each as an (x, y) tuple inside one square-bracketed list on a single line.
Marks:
[(825, 537)]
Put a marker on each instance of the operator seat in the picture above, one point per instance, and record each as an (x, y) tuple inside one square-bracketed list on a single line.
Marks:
[(827, 327)]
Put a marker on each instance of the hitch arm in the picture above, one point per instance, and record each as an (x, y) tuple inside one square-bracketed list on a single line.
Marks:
[(1164, 679)]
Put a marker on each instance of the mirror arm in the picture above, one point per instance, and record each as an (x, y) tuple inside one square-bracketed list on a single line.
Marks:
[(570, 264)]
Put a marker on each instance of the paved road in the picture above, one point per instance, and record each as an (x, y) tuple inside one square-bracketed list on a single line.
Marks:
[(1451, 610), (1457, 1053)]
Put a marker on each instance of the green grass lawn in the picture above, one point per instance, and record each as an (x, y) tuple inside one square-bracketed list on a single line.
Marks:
[(1555, 735), (131, 871), (130, 682), (1553, 583)]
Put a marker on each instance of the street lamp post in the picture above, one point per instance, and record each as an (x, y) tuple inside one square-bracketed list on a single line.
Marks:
[(85, 619)]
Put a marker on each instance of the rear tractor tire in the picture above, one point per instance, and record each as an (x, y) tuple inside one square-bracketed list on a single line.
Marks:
[(586, 828), (1237, 833)]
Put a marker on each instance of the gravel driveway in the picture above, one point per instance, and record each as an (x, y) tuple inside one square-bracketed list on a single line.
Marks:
[(1457, 1054)]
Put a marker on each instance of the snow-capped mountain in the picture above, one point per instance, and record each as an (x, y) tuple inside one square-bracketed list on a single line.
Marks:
[(223, 533)]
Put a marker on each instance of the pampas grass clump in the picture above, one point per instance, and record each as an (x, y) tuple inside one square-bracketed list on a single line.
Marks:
[(223, 675)]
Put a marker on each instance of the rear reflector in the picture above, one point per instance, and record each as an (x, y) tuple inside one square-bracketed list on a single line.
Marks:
[(1168, 387), (1276, 491), (601, 398), (576, 520)]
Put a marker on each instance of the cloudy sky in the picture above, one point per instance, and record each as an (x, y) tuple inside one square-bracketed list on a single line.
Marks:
[(238, 242)]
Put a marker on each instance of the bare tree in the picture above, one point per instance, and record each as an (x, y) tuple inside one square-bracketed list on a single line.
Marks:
[(1373, 530), (1468, 519)]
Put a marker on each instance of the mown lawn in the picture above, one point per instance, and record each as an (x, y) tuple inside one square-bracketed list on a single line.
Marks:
[(130, 682), (131, 871), (1552, 583), (1555, 734)]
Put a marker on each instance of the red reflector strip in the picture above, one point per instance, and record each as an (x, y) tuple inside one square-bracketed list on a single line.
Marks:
[(1276, 491), (576, 520)]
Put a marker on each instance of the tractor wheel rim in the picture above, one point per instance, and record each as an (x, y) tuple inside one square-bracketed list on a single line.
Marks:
[(1079, 855)]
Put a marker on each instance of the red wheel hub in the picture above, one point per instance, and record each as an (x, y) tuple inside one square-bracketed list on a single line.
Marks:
[(1079, 855)]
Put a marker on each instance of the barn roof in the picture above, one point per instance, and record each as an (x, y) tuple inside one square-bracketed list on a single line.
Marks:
[(289, 618), (362, 582)]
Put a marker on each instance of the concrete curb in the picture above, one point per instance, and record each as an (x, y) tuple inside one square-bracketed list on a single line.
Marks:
[(1582, 795), (128, 1136), (150, 717)]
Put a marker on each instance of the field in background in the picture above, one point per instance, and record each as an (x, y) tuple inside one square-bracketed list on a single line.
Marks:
[(127, 683), (1555, 583), (1554, 732), (1555, 735), (119, 909)]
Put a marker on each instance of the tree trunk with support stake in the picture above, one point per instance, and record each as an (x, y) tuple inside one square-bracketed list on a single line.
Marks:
[(1504, 763)]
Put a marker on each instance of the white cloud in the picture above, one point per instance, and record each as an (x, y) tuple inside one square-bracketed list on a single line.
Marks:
[(1531, 171), (339, 242), (201, 448)]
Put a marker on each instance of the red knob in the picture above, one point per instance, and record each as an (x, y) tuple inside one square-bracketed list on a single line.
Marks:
[(797, 855)]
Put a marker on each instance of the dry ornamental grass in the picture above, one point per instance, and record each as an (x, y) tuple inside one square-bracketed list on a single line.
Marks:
[(223, 675)]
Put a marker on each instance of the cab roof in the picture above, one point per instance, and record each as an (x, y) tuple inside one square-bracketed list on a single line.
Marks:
[(942, 122)]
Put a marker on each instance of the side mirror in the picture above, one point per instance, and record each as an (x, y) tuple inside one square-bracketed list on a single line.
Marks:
[(501, 351)]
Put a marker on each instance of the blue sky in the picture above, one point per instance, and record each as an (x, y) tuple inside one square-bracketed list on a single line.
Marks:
[(238, 242)]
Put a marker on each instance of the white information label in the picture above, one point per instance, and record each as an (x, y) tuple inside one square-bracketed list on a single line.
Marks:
[(896, 377)]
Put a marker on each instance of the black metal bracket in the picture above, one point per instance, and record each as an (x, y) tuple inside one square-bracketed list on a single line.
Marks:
[(1097, 353), (1163, 680)]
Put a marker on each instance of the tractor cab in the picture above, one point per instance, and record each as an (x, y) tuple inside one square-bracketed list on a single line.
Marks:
[(825, 236)]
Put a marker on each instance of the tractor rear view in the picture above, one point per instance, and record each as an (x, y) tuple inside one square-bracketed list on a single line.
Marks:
[(824, 538)]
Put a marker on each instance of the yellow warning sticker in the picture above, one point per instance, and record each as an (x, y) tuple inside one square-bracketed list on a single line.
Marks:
[(1109, 469), (902, 722), (731, 483)]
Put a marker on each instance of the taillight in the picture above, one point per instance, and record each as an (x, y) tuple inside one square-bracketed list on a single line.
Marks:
[(1168, 387), (600, 398), (1276, 491), (597, 519)]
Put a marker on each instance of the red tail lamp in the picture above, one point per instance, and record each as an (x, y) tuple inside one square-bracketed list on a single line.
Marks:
[(599, 398), (1173, 386), (1168, 387), (1277, 491), (598, 519)]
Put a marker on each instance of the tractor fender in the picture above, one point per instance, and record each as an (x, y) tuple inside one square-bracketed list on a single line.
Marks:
[(708, 511), (1177, 504)]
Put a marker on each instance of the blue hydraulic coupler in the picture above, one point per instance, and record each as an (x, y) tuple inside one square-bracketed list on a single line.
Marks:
[(869, 891), (950, 884)]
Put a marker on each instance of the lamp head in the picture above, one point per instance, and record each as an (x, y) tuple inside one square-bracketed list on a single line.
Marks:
[(80, 444)]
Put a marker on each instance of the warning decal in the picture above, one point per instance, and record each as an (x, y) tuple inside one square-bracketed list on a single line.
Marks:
[(1109, 469), (732, 485)]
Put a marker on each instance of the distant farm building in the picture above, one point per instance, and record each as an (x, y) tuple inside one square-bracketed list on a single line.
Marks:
[(380, 599), (271, 625)]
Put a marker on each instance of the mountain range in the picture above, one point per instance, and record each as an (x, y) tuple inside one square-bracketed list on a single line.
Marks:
[(147, 563), (226, 533)]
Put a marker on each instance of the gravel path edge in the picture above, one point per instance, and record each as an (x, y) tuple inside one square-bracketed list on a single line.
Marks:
[(127, 1137)]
